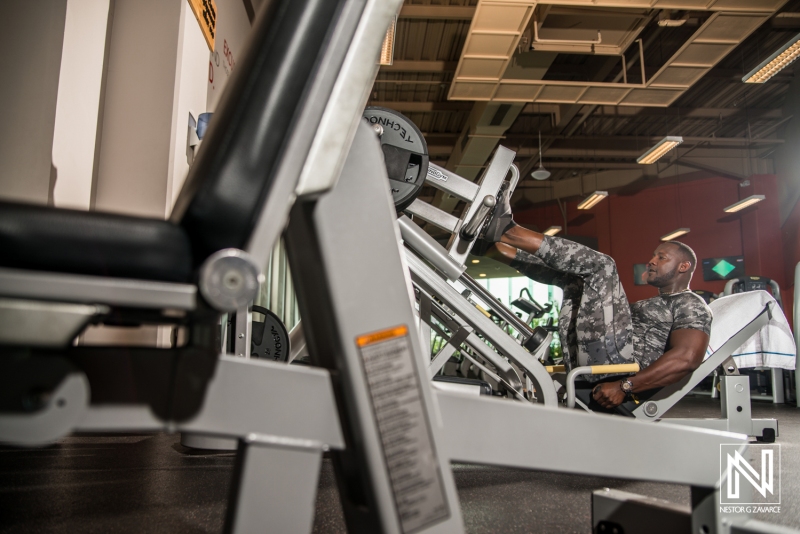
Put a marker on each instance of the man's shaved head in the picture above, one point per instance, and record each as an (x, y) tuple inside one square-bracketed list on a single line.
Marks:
[(687, 253), (671, 267)]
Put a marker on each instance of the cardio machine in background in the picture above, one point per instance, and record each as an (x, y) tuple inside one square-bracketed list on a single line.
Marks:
[(766, 383)]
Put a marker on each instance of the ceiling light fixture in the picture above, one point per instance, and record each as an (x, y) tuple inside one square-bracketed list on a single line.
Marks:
[(671, 23), (387, 48), (775, 63), (553, 230), (541, 173), (658, 151), (592, 200), (482, 274), (476, 261), (665, 20), (675, 233), (745, 202)]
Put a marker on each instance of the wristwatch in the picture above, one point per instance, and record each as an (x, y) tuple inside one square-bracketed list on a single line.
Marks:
[(626, 386)]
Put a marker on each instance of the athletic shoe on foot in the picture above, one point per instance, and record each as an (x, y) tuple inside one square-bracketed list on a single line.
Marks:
[(481, 247), (501, 219)]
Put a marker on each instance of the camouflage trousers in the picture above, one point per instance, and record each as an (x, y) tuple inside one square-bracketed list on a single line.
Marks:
[(595, 318)]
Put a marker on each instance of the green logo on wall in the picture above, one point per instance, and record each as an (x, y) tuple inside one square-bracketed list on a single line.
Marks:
[(723, 268)]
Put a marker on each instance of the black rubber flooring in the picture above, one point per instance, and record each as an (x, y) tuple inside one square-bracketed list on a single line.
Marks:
[(150, 483)]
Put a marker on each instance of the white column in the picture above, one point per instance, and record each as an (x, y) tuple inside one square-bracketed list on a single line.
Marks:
[(78, 104), (191, 81)]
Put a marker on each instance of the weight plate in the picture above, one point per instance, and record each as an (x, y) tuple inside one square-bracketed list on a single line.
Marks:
[(269, 339), (405, 152)]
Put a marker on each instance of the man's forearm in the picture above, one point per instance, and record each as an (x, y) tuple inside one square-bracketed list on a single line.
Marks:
[(668, 369)]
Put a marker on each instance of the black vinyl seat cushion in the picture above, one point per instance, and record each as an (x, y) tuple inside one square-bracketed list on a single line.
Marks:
[(93, 243)]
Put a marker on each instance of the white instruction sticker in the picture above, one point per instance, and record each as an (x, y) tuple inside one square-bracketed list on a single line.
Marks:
[(404, 428)]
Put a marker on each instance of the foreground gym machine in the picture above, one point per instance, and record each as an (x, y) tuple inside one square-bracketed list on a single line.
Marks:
[(287, 137)]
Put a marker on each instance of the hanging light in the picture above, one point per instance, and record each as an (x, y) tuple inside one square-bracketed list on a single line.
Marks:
[(675, 233), (745, 202), (658, 151), (541, 173), (592, 200), (775, 63)]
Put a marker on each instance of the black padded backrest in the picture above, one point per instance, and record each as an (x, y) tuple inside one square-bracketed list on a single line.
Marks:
[(222, 197)]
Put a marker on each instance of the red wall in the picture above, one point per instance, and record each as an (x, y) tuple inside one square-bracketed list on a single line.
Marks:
[(628, 228)]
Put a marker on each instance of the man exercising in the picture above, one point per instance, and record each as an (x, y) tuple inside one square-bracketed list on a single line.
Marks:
[(666, 335)]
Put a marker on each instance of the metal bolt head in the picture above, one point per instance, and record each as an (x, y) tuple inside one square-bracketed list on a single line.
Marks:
[(241, 336), (378, 129), (233, 280), (730, 369), (739, 388)]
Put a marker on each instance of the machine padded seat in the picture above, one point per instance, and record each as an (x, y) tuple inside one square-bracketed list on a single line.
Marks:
[(68, 241)]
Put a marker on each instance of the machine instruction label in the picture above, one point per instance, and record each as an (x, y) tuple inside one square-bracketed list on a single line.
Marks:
[(404, 428)]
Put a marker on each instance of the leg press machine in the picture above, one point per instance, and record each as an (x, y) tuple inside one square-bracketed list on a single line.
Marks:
[(287, 144)]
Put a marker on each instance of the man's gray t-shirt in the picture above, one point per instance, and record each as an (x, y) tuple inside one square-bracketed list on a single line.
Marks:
[(655, 318)]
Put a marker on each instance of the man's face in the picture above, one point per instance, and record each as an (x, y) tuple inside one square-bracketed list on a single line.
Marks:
[(663, 266)]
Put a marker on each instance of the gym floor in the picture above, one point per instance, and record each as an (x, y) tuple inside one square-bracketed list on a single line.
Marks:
[(150, 483)]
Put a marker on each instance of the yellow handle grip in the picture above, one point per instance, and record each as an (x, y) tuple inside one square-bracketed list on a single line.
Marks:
[(555, 368), (615, 368), (483, 311)]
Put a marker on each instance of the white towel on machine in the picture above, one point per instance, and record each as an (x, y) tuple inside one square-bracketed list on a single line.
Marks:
[(772, 346)]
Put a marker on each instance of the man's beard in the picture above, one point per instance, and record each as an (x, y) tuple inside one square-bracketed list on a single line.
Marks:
[(664, 279)]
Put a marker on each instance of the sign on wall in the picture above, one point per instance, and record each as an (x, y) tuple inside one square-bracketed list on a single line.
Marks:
[(232, 29), (725, 268), (205, 11)]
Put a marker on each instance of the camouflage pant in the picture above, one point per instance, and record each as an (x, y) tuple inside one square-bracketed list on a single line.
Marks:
[(595, 319)]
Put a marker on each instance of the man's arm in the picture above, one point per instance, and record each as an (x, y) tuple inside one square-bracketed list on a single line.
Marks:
[(685, 351)]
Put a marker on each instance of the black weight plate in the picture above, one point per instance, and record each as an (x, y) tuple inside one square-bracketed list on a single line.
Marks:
[(269, 339), (405, 152)]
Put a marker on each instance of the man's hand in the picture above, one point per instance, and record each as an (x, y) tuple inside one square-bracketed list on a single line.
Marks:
[(609, 394)]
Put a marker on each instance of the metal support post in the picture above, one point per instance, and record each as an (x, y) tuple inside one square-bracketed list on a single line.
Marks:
[(274, 485), (242, 332), (778, 393), (394, 476), (735, 393)]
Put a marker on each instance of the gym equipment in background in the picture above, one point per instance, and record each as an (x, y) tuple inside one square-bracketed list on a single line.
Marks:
[(753, 283), (759, 374), (530, 306), (707, 296), (796, 330)]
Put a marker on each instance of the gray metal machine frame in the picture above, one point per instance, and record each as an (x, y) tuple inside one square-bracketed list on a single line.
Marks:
[(466, 321), (370, 401), (281, 448)]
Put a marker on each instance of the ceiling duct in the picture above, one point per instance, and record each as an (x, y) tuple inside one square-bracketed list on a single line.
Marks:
[(499, 26)]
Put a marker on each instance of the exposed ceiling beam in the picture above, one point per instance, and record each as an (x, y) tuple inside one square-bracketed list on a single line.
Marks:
[(437, 12), (704, 113), (643, 141), (713, 168), (590, 165), (565, 123), (422, 107), (402, 65), (593, 147)]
